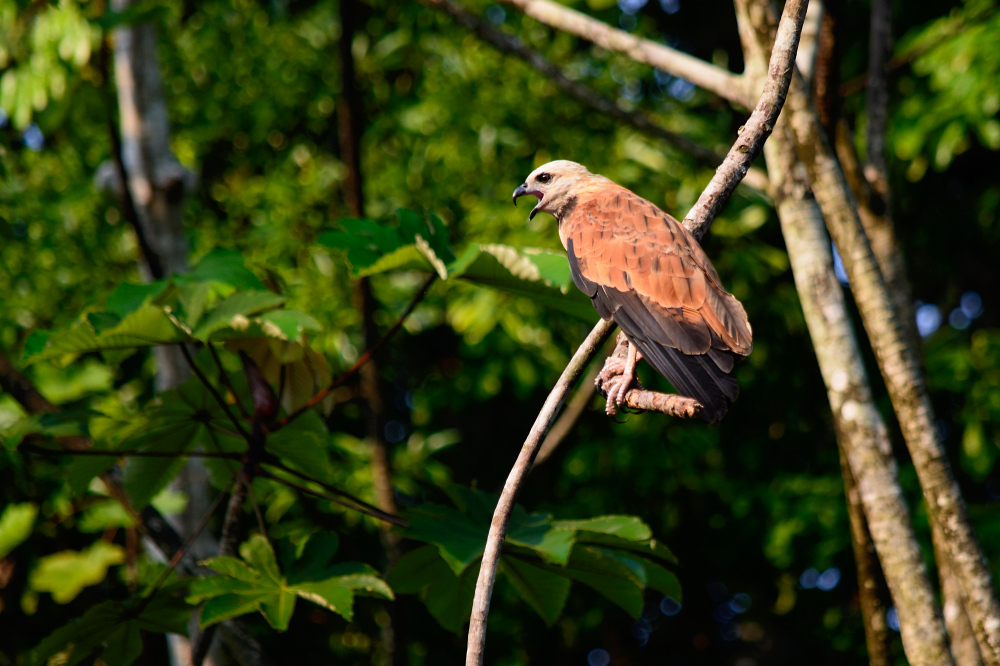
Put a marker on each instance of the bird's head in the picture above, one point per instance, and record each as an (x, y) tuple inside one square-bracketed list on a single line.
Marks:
[(554, 184)]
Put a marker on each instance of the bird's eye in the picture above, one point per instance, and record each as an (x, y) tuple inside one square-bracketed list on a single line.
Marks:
[(544, 178)]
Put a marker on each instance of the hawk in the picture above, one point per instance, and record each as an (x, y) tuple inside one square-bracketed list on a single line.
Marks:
[(643, 269)]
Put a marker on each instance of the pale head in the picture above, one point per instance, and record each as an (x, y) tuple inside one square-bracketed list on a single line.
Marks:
[(555, 184)]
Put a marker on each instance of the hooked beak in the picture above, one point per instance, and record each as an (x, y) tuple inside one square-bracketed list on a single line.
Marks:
[(521, 191)]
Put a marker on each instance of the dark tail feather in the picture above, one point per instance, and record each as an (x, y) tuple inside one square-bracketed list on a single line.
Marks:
[(697, 377)]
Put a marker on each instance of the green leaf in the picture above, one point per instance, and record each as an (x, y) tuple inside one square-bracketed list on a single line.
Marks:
[(65, 574), (554, 545), (544, 590), (303, 445), (226, 266), (127, 298), (661, 580), (123, 645), (255, 583), (147, 326), (449, 598), (459, 540), (234, 310), (15, 526), (609, 575), (143, 12), (650, 547), (626, 527), (415, 570)]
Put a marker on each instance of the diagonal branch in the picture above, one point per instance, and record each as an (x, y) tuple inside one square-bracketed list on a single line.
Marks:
[(215, 394), (353, 370), (757, 179), (728, 175), (355, 504), (729, 86)]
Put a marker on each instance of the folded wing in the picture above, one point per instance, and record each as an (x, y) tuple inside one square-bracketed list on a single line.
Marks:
[(642, 268)]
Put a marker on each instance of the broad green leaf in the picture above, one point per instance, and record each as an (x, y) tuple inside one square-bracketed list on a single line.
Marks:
[(232, 568), (123, 645), (258, 554), (449, 597), (459, 540), (405, 258), (329, 594), (608, 575), (277, 608), (127, 298), (15, 526), (227, 606), (234, 310), (535, 532), (661, 580), (650, 547), (147, 326), (544, 590), (100, 517), (226, 266), (626, 527), (65, 574), (413, 571), (303, 445), (66, 423)]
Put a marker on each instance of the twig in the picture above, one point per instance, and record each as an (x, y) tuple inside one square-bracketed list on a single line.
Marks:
[(125, 200), (362, 507), (640, 121), (229, 382), (574, 409), (501, 516), (723, 83), (877, 101), (215, 394), (274, 462), (316, 399), (132, 453), (752, 138)]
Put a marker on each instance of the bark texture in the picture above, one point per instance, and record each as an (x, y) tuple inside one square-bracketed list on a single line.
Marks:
[(727, 85), (900, 370), (861, 432), (350, 128)]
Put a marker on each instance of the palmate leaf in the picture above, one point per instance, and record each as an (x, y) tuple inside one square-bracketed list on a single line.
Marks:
[(256, 584), (112, 630), (410, 241), (541, 558)]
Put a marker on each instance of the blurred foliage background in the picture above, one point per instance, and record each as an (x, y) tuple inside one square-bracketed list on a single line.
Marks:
[(753, 509)]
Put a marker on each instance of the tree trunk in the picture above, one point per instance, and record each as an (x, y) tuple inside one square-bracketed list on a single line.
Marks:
[(861, 433), (350, 128), (900, 370)]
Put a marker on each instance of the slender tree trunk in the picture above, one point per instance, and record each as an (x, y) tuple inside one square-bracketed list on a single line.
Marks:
[(858, 424), (350, 128), (900, 370), (795, 207)]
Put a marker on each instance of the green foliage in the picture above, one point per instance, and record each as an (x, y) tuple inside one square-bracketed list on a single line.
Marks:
[(541, 560), (112, 630), (16, 522), (255, 584), (65, 574)]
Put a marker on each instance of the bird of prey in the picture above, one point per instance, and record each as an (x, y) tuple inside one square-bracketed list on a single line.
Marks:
[(643, 269)]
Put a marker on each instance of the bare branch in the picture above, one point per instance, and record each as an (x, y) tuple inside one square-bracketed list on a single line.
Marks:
[(877, 103), (350, 372), (726, 85), (574, 409), (501, 516), (354, 503)]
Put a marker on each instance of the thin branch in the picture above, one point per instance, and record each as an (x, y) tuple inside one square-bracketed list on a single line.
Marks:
[(356, 505), (501, 516), (877, 102), (131, 453), (316, 399), (567, 420), (20, 388), (215, 394), (228, 381), (758, 127), (640, 121), (726, 85), (121, 189), (274, 462)]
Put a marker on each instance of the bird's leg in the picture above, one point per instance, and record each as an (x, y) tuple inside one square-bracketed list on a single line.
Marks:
[(628, 376)]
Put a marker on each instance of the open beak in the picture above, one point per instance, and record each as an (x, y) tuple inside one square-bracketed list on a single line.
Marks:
[(521, 191)]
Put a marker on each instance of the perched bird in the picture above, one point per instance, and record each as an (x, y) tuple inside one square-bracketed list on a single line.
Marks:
[(642, 268)]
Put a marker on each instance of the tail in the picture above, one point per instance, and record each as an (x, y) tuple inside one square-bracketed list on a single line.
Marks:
[(695, 376)]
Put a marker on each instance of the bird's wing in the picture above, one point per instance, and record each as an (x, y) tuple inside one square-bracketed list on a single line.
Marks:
[(641, 267)]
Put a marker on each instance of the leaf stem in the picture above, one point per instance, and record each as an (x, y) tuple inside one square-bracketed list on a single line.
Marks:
[(211, 389), (316, 399)]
